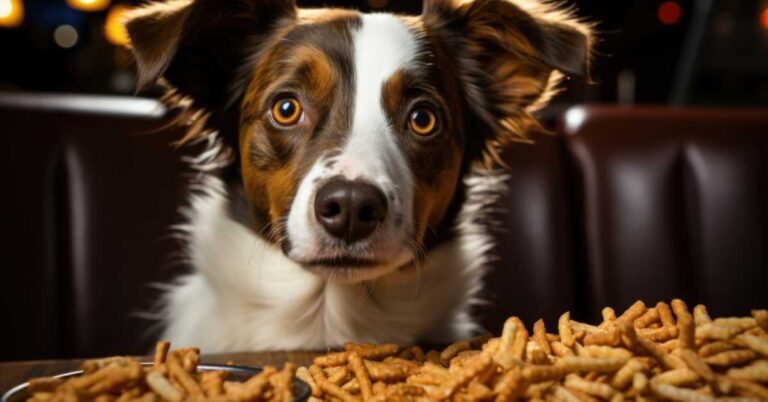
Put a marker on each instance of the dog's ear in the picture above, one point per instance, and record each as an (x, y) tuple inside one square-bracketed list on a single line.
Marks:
[(511, 55), (200, 46)]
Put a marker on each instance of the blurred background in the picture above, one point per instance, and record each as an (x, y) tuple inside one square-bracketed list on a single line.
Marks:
[(653, 186), (712, 52)]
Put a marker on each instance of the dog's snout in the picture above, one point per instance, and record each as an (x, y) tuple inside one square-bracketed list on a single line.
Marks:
[(350, 210)]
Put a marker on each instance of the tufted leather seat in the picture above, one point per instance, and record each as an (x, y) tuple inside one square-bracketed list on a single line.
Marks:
[(619, 204)]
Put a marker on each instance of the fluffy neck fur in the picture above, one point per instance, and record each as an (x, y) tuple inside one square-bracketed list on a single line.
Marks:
[(245, 295)]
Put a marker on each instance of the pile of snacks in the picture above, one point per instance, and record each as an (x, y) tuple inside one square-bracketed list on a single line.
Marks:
[(664, 352), (172, 377)]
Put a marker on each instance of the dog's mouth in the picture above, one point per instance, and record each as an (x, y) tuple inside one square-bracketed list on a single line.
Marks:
[(350, 267)]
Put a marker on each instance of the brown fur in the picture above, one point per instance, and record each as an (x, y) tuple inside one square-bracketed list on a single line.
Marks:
[(314, 61), (485, 66), (511, 55)]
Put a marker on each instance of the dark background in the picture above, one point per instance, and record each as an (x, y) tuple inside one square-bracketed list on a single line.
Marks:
[(89, 200), (715, 52)]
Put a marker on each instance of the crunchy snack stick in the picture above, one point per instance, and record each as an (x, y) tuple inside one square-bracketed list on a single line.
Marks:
[(330, 388), (566, 332), (161, 353), (162, 387), (665, 352), (540, 336), (171, 377), (361, 375)]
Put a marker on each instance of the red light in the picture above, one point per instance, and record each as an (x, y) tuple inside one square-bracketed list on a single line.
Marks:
[(670, 12), (764, 18)]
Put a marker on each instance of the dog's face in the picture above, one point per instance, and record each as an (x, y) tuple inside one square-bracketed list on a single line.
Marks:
[(354, 130)]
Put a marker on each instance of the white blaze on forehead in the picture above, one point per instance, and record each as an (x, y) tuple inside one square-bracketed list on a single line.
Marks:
[(383, 45)]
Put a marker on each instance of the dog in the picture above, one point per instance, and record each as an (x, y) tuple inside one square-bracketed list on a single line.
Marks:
[(350, 160)]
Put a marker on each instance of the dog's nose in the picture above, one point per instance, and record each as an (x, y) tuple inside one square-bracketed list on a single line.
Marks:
[(350, 210)]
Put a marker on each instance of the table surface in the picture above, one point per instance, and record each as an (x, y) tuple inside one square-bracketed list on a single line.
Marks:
[(14, 373)]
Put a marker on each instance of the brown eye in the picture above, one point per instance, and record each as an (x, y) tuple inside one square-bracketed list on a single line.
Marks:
[(423, 122), (287, 111)]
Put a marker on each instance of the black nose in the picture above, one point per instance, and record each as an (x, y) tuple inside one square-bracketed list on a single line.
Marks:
[(350, 210)]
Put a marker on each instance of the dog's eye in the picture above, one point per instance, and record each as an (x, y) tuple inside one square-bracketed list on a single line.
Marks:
[(287, 111), (423, 122)]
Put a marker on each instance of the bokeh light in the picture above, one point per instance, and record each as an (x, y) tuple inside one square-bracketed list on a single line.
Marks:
[(670, 12), (114, 30), (89, 5), (65, 36), (764, 18), (11, 13)]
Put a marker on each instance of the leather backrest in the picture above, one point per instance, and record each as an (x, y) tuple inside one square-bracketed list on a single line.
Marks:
[(672, 203), (619, 204), (93, 189)]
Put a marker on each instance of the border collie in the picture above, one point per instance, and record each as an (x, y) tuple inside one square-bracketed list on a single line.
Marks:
[(350, 160)]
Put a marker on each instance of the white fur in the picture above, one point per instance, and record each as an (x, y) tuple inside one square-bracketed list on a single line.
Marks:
[(383, 45), (245, 295)]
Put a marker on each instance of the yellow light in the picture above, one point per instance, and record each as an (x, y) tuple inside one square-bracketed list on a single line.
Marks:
[(114, 30), (88, 5), (11, 13)]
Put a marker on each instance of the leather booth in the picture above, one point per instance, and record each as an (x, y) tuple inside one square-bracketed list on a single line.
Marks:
[(618, 204)]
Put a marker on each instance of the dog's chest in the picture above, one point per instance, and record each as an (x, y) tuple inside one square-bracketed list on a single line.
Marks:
[(245, 295)]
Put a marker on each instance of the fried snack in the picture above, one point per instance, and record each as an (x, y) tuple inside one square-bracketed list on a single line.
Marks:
[(565, 329), (624, 376), (759, 345), (696, 364), (338, 375), (661, 334), (303, 374), (602, 390), (609, 315), (558, 349), (714, 348), (172, 376), (761, 316), (633, 312), (162, 387), (665, 314), (452, 350), (504, 355), (665, 352), (361, 375), (330, 388), (650, 317), (605, 338), (700, 315), (757, 371), (591, 364), (212, 383), (730, 358), (161, 353), (540, 336)]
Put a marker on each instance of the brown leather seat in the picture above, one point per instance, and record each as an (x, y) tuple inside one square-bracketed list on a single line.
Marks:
[(621, 204), (91, 190), (673, 203), (636, 203)]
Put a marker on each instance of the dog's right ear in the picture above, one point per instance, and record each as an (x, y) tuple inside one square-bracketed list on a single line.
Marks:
[(199, 46)]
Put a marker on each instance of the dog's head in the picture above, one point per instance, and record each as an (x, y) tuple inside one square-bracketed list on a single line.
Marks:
[(354, 130)]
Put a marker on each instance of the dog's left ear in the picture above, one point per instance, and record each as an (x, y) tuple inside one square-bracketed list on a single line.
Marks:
[(511, 55), (201, 46)]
